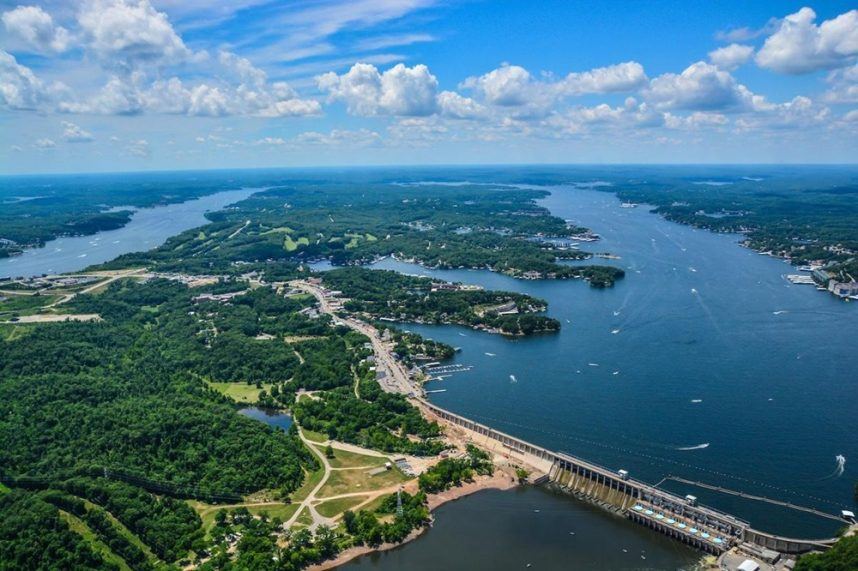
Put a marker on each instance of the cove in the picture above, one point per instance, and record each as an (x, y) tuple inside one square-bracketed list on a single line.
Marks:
[(147, 229)]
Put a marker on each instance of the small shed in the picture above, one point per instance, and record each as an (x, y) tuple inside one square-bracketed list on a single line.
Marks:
[(749, 565)]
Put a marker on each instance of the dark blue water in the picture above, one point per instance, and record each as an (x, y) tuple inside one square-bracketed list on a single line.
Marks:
[(273, 418), (509, 530), (697, 318), (148, 228)]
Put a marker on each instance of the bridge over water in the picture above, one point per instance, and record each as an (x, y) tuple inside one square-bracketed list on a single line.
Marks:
[(682, 518)]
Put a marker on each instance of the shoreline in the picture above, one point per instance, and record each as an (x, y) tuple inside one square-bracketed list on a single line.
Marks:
[(499, 481)]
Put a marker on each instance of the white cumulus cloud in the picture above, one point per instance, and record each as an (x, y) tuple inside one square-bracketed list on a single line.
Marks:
[(800, 46), (44, 144), (456, 106), (508, 85), (253, 96), (732, 56), (36, 29), (622, 77), (400, 91), (130, 33), (75, 133), (700, 87), (20, 88), (844, 85)]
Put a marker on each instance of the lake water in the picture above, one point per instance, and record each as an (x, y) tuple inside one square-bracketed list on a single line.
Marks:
[(509, 530), (703, 363), (273, 418), (147, 229)]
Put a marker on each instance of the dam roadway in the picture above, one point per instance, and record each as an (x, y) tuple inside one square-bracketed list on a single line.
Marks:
[(682, 518)]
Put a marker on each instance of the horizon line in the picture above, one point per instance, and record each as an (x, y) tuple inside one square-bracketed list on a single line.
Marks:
[(424, 166)]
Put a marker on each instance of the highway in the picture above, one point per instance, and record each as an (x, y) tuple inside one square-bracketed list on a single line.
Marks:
[(396, 379)]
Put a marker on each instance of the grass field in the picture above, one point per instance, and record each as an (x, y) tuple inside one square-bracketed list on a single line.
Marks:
[(24, 304), (310, 482), (240, 392), (301, 296), (314, 436), (374, 504), (9, 332), (83, 530), (346, 459), (333, 508), (304, 518), (283, 229), (348, 481)]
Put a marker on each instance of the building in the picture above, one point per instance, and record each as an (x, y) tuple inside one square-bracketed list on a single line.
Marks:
[(508, 308), (219, 297), (748, 565), (843, 289), (821, 275)]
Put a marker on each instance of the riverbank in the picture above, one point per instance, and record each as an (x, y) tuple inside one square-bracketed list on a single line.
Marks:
[(501, 480)]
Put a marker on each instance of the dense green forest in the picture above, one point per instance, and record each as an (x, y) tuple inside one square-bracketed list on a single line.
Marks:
[(130, 394), (34, 536), (380, 293), (468, 226), (128, 397), (842, 557), (374, 419), (35, 209)]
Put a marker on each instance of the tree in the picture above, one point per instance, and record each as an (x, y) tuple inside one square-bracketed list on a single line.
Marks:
[(329, 451), (843, 556)]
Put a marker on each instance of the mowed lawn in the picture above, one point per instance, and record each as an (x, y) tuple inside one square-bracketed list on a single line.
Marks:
[(333, 508), (359, 480), (240, 392), (347, 459)]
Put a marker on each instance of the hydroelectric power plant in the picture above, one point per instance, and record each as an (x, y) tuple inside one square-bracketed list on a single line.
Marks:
[(682, 518)]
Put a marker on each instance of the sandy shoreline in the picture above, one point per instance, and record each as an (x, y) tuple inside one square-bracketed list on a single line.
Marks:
[(499, 481)]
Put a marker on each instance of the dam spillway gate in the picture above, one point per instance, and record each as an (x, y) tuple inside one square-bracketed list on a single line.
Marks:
[(681, 518)]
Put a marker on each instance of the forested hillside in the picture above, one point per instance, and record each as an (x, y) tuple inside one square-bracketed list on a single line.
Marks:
[(468, 226)]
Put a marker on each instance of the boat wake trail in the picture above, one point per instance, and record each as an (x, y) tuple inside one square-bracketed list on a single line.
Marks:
[(840, 459), (696, 447)]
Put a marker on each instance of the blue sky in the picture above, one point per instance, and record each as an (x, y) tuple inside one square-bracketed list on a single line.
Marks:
[(106, 85)]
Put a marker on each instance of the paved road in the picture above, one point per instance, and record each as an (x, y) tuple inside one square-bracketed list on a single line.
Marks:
[(396, 378), (307, 503)]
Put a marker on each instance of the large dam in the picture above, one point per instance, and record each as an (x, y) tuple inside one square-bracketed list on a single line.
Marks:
[(682, 518)]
